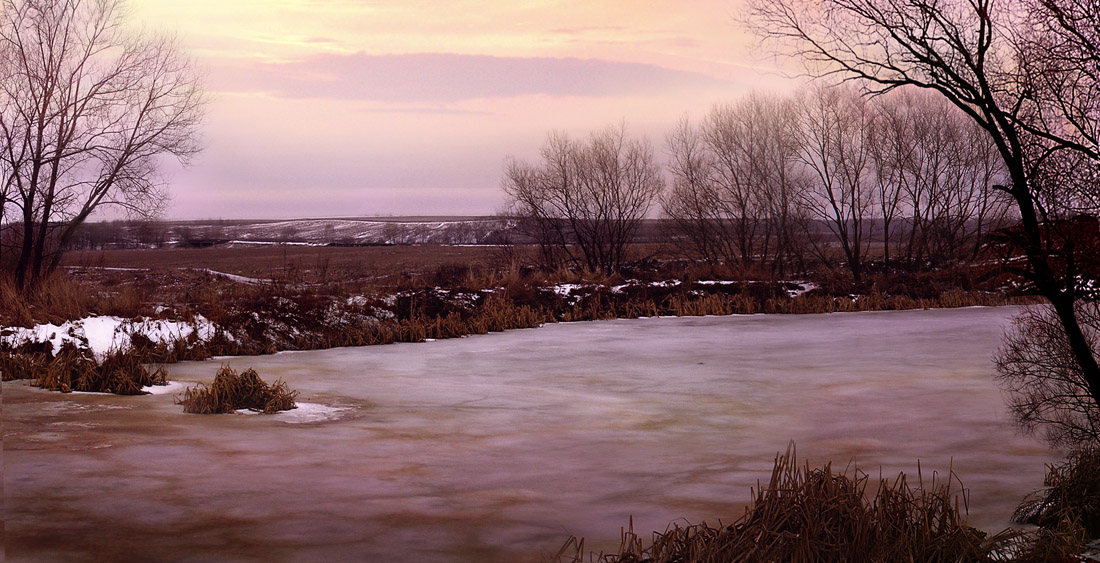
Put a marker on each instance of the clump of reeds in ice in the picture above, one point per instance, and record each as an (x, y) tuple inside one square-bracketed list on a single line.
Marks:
[(231, 392)]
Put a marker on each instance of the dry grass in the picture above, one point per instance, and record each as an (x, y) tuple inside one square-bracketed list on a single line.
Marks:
[(60, 298), (74, 369), (1067, 511), (317, 297), (231, 391), (293, 263), (809, 514), (22, 365)]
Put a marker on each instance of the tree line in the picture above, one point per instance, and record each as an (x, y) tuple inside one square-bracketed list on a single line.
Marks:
[(971, 112), (775, 182)]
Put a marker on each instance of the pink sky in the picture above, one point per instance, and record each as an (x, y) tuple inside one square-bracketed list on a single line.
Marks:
[(348, 108)]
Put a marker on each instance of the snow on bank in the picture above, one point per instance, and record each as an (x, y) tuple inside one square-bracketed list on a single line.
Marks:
[(110, 334), (803, 287), (310, 412)]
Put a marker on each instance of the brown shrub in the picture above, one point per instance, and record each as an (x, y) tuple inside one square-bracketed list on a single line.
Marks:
[(231, 391)]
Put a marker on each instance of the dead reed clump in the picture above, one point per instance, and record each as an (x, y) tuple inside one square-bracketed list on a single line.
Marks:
[(1067, 510), (17, 365), (75, 369), (69, 364), (499, 314), (231, 391), (14, 309), (809, 514), (715, 304), (122, 374)]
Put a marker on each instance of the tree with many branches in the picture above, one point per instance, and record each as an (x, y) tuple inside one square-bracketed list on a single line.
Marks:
[(87, 110), (587, 199), (1024, 71)]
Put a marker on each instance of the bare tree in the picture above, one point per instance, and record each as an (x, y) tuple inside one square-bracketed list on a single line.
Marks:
[(1044, 385), (730, 133), (86, 111), (590, 196), (986, 60), (736, 195), (693, 203), (837, 138), (783, 183), (935, 174), (891, 151)]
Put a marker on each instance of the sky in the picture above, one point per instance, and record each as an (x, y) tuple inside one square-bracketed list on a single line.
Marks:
[(345, 108)]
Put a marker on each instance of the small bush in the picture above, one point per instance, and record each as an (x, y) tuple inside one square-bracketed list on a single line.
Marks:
[(231, 391)]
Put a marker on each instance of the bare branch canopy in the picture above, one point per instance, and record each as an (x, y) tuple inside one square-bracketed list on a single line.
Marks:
[(88, 108)]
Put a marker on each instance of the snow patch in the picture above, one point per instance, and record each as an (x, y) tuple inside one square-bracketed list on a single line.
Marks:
[(668, 283), (311, 412), (304, 413), (102, 335), (170, 389), (803, 287), (234, 277), (620, 288)]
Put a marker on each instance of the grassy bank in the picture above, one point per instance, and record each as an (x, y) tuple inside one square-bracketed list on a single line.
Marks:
[(311, 305)]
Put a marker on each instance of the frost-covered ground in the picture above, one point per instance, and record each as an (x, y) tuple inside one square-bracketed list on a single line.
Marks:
[(497, 447), (109, 334), (365, 231), (572, 292), (103, 334)]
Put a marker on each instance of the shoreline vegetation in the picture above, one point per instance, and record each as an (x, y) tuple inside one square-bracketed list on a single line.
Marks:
[(161, 315), (44, 337), (820, 515)]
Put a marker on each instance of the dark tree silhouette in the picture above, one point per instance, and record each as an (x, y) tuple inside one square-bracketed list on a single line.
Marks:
[(1025, 72), (87, 109)]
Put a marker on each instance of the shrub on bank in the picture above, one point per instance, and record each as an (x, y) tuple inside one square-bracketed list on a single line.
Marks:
[(231, 392)]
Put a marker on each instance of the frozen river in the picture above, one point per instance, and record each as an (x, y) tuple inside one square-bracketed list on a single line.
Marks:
[(498, 447)]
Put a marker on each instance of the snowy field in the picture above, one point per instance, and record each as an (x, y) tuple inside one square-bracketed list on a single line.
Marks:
[(498, 447)]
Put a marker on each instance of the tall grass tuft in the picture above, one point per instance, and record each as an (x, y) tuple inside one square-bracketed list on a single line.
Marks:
[(1067, 510), (75, 369), (809, 514), (231, 391)]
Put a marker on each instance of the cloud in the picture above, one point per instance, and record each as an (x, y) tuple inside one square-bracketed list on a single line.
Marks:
[(443, 78)]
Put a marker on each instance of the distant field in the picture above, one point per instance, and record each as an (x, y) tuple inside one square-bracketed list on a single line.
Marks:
[(273, 261)]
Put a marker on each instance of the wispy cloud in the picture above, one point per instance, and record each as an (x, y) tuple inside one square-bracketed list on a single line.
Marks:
[(443, 78)]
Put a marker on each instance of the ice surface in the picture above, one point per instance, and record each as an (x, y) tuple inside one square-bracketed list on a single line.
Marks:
[(310, 412), (497, 447)]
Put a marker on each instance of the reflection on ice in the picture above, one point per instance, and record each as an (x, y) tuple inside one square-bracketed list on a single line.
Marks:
[(497, 447)]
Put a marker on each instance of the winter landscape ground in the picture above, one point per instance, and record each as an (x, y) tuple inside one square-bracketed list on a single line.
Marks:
[(458, 444), (499, 447), (834, 301)]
